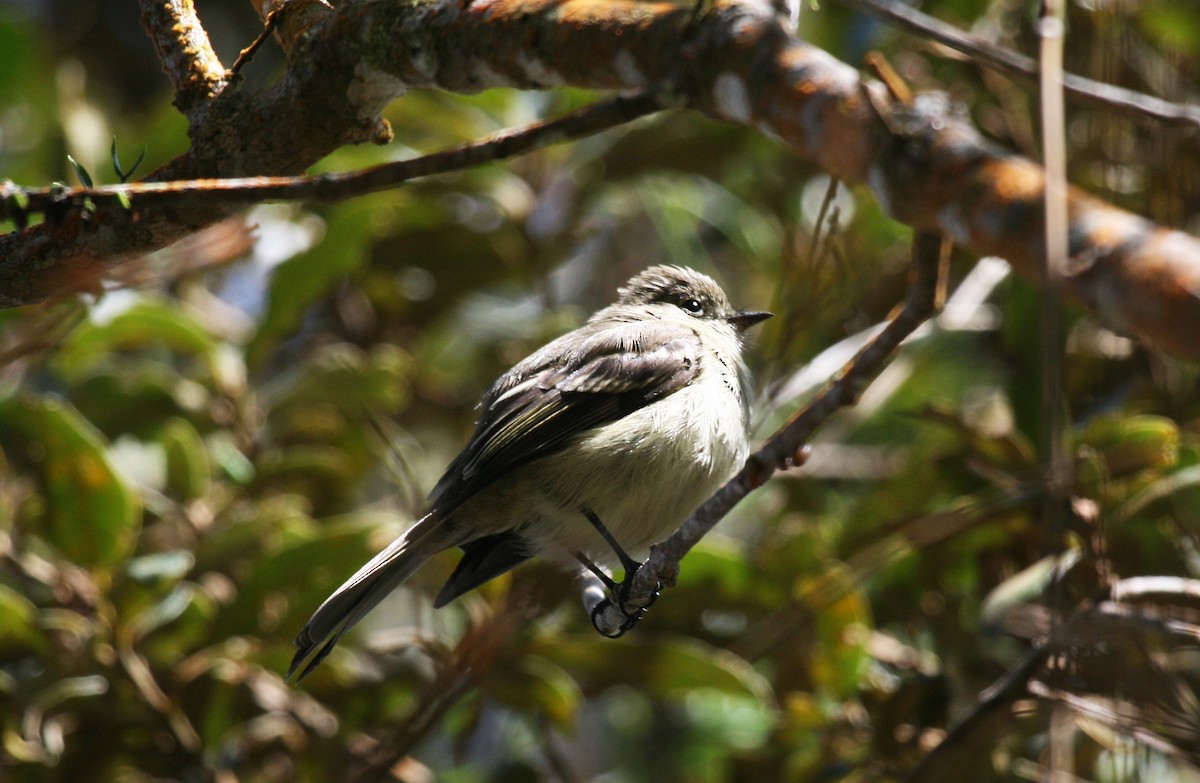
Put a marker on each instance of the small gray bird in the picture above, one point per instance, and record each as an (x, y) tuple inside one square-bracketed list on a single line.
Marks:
[(605, 439)]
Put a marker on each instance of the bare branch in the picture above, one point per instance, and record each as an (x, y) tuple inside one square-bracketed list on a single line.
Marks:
[(339, 186), (974, 728), (1056, 461), (1108, 96), (289, 20), (1111, 622)]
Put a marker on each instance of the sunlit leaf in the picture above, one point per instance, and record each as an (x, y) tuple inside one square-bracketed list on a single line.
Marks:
[(144, 325), (1027, 586), (81, 173), (230, 459), (91, 515)]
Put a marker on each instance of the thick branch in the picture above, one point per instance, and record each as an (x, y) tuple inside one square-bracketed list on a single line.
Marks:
[(182, 44), (734, 61)]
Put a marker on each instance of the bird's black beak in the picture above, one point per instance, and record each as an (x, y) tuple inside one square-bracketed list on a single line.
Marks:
[(744, 319)]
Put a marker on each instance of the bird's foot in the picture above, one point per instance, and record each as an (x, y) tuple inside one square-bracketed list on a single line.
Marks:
[(619, 598), (618, 594)]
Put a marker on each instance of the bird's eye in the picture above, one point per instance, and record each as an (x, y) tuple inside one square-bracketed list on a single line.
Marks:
[(693, 306)]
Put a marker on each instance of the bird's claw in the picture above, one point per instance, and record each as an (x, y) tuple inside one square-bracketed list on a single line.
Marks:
[(632, 614)]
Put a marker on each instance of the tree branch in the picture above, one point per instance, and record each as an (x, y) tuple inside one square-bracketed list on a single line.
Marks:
[(337, 186), (1108, 96), (733, 61), (183, 48)]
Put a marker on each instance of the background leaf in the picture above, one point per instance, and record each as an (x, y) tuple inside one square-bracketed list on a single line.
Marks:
[(91, 515)]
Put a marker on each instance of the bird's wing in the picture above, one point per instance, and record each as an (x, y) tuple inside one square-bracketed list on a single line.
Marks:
[(583, 380)]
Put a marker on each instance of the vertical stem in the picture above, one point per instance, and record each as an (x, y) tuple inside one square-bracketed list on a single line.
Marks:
[(1057, 468)]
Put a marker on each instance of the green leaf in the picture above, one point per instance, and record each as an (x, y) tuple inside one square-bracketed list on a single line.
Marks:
[(231, 460), (188, 471), (1170, 25), (668, 667), (1026, 586), (1171, 484), (81, 172), (147, 324), (1132, 443), (122, 174), (90, 514), (176, 626), (1113, 448), (164, 611), (840, 656), (305, 571), (308, 276), (346, 379), (18, 622), (538, 686)]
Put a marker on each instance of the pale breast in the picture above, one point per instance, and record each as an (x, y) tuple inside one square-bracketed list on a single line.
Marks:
[(645, 474)]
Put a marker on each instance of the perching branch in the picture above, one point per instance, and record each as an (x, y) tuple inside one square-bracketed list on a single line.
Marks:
[(786, 446)]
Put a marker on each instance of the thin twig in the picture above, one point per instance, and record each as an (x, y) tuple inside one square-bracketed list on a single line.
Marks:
[(1056, 465), (1078, 629), (339, 186), (1000, 59), (466, 666), (272, 21), (941, 763), (662, 567)]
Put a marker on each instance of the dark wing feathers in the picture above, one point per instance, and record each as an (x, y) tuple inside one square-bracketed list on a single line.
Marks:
[(538, 406), (483, 560)]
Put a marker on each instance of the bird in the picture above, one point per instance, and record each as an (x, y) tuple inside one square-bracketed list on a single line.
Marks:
[(601, 442)]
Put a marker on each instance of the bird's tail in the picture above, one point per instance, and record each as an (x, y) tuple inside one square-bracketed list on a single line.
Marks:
[(361, 592)]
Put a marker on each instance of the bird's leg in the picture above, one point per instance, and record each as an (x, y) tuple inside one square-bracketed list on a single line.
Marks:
[(628, 563), (619, 592), (597, 571)]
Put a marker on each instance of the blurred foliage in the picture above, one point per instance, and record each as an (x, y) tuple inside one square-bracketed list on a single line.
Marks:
[(188, 467)]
